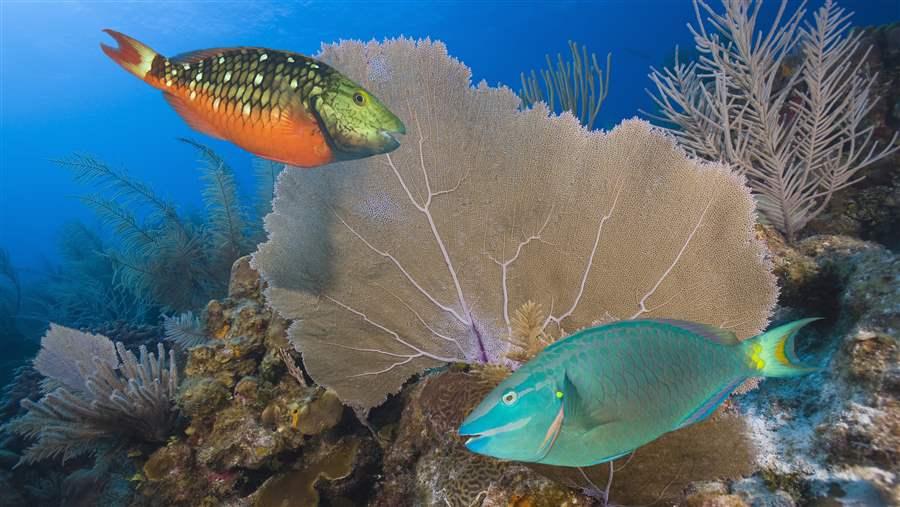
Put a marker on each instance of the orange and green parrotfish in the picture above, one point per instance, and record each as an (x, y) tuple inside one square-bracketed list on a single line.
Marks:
[(278, 105), (601, 393)]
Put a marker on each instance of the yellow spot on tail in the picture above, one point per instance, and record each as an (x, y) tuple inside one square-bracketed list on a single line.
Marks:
[(246, 110), (294, 84), (199, 76), (756, 357), (258, 79), (216, 104), (221, 59), (227, 76), (314, 66), (186, 66), (193, 95), (290, 59), (168, 82), (263, 57)]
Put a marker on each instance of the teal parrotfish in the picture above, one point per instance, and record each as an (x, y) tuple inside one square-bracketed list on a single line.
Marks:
[(601, 393)]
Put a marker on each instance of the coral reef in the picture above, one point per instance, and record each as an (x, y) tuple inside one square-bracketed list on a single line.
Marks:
[(258, 436), (255, 432), (833, 439), (392, 265), (798, 138)]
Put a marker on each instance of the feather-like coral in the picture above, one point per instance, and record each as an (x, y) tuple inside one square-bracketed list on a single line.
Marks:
[(102, 395), (267, 173), (527, 335), (88, 287), (176, 263), (185, 330), (398, 263), (226, 221), (798, 139)]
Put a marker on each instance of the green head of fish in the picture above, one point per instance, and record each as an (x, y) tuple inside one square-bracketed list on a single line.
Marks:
[(519, 420), (355, 122)]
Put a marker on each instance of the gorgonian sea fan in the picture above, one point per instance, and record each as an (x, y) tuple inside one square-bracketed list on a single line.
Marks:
[(394, 264)]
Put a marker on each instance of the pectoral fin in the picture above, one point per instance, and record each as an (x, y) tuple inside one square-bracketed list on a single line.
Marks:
[(579, 411)]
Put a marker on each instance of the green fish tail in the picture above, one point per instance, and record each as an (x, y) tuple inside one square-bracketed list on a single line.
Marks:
[(771, 354)]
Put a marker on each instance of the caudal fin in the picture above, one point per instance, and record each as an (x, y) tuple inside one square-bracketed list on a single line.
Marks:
[(132, 55), (771, 354)]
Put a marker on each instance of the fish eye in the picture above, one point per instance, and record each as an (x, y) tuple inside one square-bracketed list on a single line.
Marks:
[(359, 98), (509, 397)]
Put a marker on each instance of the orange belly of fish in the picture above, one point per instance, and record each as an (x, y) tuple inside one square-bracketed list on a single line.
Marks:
[(286, 136)]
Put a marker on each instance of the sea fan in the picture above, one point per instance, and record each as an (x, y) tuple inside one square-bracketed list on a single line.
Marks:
[(185, 330), (395, 264)]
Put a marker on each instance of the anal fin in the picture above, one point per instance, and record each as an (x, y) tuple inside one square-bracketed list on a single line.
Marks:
[(709, 406), (192, 115)]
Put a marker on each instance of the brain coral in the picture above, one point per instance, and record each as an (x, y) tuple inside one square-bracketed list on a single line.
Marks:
[(394, 264)]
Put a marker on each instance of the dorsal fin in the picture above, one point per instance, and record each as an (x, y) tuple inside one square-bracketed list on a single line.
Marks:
[(714, 334), (202, 54)]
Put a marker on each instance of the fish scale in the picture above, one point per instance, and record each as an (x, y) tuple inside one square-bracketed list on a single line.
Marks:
[(619, 356)]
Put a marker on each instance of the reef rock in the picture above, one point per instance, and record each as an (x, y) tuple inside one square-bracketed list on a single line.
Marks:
[(252, 416), (836, 435)]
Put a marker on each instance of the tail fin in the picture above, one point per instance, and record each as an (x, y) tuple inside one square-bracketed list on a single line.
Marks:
[(771, 354), (131, 54)]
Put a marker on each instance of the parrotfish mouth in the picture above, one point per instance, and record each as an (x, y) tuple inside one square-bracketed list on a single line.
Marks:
[(391, 142), (476, 436)]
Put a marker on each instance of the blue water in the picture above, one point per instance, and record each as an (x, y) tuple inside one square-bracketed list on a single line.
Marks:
[(59, 93)]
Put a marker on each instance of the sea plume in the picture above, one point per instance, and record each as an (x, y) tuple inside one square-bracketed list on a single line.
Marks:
[(98, 396), (798, 138), (185, 330), (398, 263)]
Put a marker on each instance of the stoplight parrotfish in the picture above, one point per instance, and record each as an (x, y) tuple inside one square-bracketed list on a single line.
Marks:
[(603, 392), (278, 105)]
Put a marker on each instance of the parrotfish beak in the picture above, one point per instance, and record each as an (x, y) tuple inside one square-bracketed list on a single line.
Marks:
[(485, 426), (390, 142), (480, 435)]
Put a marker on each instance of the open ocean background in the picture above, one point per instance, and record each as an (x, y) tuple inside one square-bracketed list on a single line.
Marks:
[(59, 94)]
